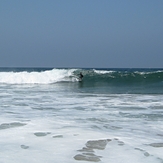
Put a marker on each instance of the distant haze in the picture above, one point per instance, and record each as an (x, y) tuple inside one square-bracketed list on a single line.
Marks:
[(81, 33)]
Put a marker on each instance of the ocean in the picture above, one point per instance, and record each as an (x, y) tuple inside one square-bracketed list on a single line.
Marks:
[(112, 116)]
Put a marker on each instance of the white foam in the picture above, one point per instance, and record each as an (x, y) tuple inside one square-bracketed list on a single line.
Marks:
[(103, 71), (148, 72), (44, 77), (66, 120)]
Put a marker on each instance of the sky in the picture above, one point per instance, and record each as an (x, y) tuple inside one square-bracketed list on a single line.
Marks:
[(81, 33)]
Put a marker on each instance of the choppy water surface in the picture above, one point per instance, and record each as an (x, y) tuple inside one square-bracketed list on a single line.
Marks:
[(70, 122)]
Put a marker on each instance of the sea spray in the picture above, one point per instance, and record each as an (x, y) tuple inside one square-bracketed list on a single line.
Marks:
[(113, 115)]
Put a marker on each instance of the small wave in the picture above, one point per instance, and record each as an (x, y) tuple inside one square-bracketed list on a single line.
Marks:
[(124, 76), (103, 71), (148, 72)]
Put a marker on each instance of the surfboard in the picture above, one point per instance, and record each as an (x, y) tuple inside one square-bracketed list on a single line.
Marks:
[(79, 79)]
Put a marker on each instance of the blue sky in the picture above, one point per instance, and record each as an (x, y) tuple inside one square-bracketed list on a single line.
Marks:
[(81, 33)]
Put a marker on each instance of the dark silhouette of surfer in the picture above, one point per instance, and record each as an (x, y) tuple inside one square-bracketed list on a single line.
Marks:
[(80, 76)]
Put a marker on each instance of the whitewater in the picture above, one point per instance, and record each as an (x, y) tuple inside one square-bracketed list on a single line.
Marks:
[(113, 115)]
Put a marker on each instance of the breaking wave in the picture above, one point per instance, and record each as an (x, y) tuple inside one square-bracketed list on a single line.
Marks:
[(91, 76), (35, 77)]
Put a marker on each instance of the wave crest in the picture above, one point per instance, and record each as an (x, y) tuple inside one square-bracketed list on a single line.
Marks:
[(91, 76), (44, 77)]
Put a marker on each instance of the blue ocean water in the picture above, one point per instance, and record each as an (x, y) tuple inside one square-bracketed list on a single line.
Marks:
[(113, 115)]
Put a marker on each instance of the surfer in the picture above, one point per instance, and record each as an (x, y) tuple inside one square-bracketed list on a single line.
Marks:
[(80, 76)]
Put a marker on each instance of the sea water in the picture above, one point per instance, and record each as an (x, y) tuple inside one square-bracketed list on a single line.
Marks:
[(112, 116)]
